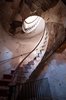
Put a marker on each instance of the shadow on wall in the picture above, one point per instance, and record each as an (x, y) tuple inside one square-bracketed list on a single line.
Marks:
[(64, 1), (7, 12)]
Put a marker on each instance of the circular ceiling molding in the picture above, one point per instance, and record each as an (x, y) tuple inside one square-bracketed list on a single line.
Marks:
[(31, 23), (64, 1)]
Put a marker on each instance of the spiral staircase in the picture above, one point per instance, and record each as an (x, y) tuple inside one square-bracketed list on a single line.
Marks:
[(18, 85), (22, 72)]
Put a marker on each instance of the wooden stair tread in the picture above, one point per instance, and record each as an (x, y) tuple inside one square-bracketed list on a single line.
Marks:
[(4, 82), (4, 87), (3, 98), (4, 91), (7, 76)]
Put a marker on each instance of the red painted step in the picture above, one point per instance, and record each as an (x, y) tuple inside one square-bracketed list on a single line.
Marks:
[(4, 82), (7, 76), (4, 91)]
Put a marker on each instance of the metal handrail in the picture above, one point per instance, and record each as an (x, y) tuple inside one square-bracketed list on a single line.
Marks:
[(14, 84), (6, 60), (27, 57), (33, 49), (43, 62), (46, 58)]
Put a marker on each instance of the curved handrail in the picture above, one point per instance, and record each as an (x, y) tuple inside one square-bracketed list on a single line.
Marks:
[(43, 61), (14, 79), (28, 54), (33, 49), (7, 60), (46, 58)]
